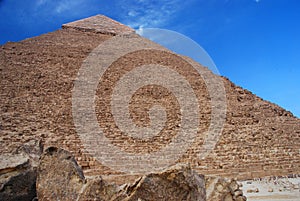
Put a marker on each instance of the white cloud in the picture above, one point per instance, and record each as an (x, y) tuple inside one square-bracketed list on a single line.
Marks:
[(59, 7), (40, 2), (67, 5), (144, 13), (132, 13)]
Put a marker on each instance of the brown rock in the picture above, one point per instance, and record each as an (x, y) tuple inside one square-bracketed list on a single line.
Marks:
[(241, 198), (17, 178), (176, 183), (59, 176), (238, 193), (33, 149), (100, 190), (228, 197), (18, 172), (250, 191), (256, 190), (218, 188), (233, 186)]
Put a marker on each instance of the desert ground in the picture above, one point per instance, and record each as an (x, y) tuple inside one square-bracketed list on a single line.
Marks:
[(269, 189)]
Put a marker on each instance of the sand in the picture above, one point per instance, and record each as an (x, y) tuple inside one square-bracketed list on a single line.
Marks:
[(285, 189)]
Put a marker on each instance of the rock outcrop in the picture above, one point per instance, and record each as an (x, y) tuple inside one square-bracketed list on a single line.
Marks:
[(60, 178)]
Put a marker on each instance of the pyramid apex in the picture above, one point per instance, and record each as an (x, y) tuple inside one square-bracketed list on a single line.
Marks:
[(99, 24)]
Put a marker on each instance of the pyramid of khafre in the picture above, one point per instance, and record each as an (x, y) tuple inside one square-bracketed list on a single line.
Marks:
[(38, 84)]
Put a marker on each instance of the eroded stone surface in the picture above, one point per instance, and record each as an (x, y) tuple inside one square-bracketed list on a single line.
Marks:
[(18, 172), (98, 189), (59, 176), (10, 162), (223, 189), (176, 183)]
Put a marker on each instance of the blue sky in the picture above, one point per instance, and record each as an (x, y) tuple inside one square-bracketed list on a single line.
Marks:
[(255, 43)]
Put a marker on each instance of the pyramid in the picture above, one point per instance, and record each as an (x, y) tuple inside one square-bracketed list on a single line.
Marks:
[(39, 76)]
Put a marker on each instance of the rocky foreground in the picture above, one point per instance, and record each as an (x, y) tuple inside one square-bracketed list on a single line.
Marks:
[(33, 174)]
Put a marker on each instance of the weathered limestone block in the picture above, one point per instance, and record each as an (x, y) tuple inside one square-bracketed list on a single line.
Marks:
[(18, 172), (59, 177), (221, 189), (17, 178), (100, 190), (33, 149), (176, 183)]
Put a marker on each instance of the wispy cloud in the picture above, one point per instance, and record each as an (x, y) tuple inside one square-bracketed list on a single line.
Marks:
[(143, 13), (66, 7), (41, 2)]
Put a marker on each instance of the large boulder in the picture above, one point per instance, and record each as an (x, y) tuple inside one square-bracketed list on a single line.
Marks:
[(178, 182), (18, 172), (59, 176), (17, 178)]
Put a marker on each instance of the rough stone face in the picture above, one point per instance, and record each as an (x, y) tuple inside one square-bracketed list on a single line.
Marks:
[(176, 183), (33, 149), (19, 185), (98, 189), (10, 162), (223, 189), (59, 176), (18, 174)]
